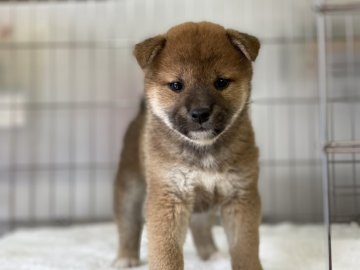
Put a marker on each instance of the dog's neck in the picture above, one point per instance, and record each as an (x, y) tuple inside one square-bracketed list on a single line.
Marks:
[(235, 139)]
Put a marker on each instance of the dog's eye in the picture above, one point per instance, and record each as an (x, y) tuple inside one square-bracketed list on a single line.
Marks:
[(221, 83), (176, 86)]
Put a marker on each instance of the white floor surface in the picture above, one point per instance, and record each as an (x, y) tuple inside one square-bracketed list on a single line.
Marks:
[(90, 247)]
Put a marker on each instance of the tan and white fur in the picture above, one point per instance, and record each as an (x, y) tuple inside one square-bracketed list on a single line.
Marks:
[(191, 149)]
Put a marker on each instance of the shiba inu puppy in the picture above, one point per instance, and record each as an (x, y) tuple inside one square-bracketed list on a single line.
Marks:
[(191, 149)]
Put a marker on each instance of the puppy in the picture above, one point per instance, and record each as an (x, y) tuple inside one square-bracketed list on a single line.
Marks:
[(191, 149)]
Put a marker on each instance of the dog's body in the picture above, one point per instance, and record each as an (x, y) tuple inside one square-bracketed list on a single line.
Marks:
[(191, 149)]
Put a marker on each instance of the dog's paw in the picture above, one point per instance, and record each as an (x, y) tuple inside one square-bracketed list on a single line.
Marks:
[(207, 252), (217, 255), (123, 263)]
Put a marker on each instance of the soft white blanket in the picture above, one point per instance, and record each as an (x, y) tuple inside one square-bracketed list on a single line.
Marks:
[(90, 247)]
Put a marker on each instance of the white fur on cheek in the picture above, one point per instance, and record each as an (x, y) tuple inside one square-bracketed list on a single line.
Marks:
[(235, 116), (157, 110)]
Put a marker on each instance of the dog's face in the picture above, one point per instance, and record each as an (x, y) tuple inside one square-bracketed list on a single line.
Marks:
[(197, 78)]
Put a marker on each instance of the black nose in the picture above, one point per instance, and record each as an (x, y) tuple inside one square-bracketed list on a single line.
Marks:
[(200, 115)]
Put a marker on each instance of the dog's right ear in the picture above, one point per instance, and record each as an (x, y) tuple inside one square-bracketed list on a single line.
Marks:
[(146, 51), (247, 44)]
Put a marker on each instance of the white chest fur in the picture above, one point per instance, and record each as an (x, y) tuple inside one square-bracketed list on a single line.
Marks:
[(186, 181)]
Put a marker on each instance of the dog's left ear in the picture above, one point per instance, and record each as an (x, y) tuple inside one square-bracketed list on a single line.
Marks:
[(247, 44), (146, 51)]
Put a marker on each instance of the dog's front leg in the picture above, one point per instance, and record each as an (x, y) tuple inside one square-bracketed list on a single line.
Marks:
[(167, 218), (241, 218)]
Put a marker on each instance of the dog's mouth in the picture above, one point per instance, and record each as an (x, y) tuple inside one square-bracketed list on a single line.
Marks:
[(203, 134)]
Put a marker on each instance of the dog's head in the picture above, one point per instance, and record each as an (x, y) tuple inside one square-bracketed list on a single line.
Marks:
[(197, 77)]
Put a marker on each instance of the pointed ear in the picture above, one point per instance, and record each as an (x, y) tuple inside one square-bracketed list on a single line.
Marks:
[(146, 51), (247, 44)]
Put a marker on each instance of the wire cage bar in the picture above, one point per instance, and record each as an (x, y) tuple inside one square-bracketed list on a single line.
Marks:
[(323, 133)]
